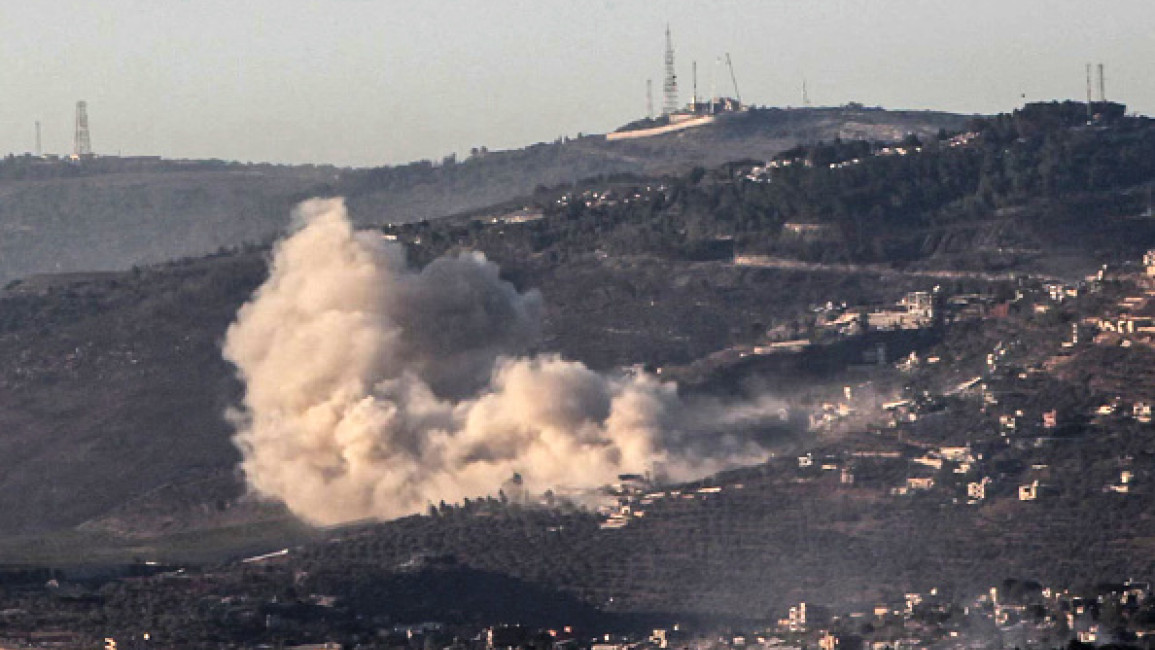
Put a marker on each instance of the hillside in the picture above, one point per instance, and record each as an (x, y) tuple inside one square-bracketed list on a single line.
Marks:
[(98, 364), (114, 388), (1004, 436), (741, 547), (111, 213)]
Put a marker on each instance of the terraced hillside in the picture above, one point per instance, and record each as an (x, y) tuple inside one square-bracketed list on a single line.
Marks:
[(780, 539)]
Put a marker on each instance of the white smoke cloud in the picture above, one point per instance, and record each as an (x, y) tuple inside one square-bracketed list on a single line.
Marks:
[(373, 389)]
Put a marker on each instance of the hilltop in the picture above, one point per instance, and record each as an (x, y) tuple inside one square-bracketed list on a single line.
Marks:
[(113, 213)]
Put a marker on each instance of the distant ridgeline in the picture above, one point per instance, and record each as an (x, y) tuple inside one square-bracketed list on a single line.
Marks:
[(103, 212), (1049, 175), (30, 167)]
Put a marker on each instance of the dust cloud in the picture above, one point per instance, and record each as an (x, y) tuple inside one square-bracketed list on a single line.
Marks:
[(374, 389)]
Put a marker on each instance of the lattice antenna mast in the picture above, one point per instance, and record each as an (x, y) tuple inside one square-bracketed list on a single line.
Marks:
[(694, 97), (39, 151), (714, 84), (1090, 108), (1102, 85), (737, 93), (670, 88), (650, 99), (82, 144)]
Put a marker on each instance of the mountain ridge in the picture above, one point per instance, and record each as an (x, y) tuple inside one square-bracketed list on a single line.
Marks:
[(111, 214)]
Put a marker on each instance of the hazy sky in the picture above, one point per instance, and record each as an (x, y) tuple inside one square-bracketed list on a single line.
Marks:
[(369, 82)]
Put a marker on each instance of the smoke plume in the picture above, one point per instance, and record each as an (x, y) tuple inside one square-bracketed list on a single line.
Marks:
[(374, 389)]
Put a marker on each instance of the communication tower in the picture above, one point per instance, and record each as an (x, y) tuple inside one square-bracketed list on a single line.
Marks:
[(805, 95), (650, 99), (714, 84), (1102, 85), (694, 97), (39, 151), (737, 93), (670, 87), (82, 144), (1090, 108)]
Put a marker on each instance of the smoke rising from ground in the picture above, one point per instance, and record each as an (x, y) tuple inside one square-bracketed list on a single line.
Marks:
[(374, 389)]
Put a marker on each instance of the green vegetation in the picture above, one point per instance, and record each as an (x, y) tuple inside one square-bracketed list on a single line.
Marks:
[(112, 213), (1036, 179)]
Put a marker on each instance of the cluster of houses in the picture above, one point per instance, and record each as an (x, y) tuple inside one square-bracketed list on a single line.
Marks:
[(609, 197), (1022, 614), (629, 498), (1014, 614), (1014, 421), (523, 215), (962, 139), (916, 310), (1131, 320), (1007, 388), (763, 173)]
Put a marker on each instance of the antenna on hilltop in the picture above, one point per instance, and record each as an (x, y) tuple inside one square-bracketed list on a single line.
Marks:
[(737, 94), (1102, 85), (39, 151), (81, 144), (805, 95), (694, 97), (649, 99), (670, 87), (714, 85), (1090, 109)]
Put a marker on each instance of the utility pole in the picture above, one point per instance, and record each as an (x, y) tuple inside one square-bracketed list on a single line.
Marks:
[(714, 84), (649, 99)]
